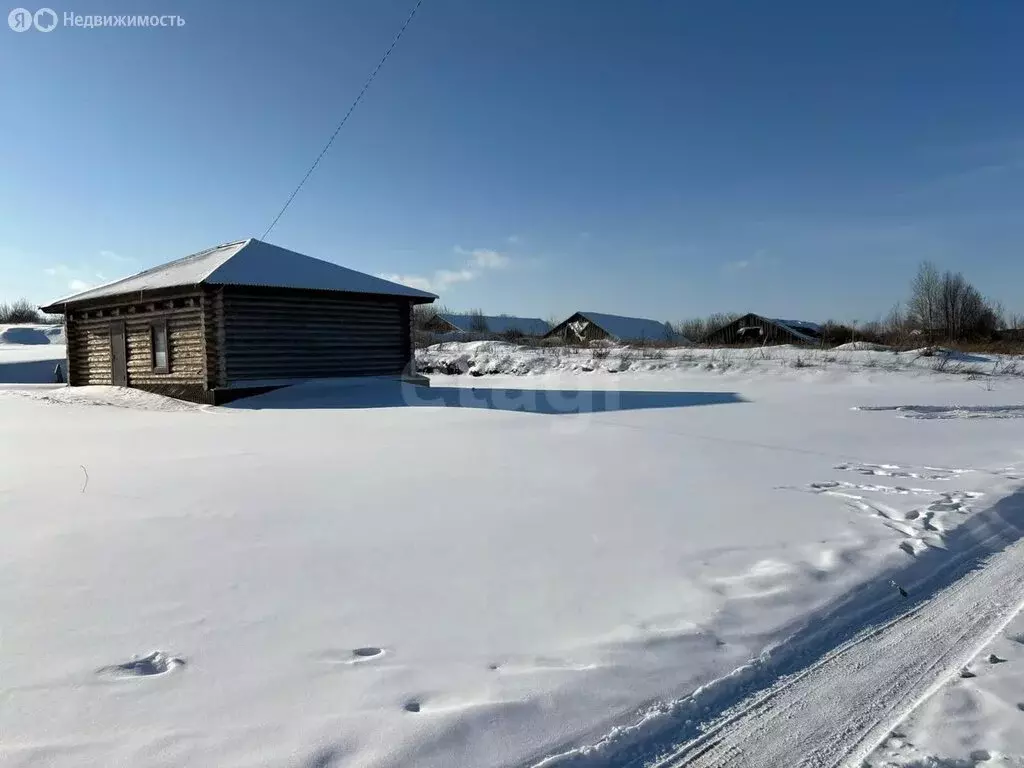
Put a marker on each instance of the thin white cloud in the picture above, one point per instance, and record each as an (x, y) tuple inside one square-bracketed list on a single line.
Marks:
[(759, 258), (112, 256), (410, 280), (514, 239), (76, 279), (485, 258), (478, 261)]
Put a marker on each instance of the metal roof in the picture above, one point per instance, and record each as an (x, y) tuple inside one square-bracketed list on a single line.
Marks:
[(531, 326), (252, 263), (632, 328), (802, 329)]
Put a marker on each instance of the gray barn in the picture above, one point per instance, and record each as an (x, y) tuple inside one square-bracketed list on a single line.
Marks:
[(238, 318), (756, 329), (584, 327)]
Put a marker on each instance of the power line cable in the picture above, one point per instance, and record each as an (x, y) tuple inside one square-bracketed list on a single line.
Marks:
[(344, 120)]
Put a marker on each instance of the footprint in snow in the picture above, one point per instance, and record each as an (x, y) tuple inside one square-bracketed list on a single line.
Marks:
[(354, 656), (913, 546), (151, 665), (367, 652)]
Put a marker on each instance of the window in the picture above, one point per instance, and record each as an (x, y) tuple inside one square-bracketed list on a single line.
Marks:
[(161, 361)]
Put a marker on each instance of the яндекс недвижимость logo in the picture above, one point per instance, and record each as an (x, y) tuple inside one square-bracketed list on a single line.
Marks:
[(22, 19), (46, 20)]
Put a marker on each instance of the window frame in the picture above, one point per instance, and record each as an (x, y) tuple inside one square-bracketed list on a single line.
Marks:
[(155, 328)]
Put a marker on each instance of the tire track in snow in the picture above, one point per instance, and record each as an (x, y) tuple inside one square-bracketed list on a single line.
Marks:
[(831, 693), (836, 712)]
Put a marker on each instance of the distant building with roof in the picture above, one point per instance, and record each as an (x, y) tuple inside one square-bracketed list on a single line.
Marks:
[(499, 325), (238, 318), (756, 329), (582, 327)]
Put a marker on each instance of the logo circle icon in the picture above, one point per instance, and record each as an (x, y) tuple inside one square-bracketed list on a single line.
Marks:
[(20, 19), (45, 19)]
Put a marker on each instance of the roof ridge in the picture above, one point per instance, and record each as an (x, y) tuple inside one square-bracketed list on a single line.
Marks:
[(624, 317)]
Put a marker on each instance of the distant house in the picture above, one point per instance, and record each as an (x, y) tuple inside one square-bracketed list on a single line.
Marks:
[(755, 329), (595, 326), (238, 318), (447, 322)]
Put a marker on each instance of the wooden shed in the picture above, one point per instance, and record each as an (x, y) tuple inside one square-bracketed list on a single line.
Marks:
[(235, 319), (755, 329), (583, 327)]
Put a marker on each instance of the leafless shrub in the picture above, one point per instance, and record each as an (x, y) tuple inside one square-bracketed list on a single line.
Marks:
[(1011, 367), (834, 333), (696, 328), (20, 311), (972, 372), (477, 321)]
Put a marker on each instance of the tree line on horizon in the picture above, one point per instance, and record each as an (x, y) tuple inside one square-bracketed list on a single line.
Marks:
[(941, 306)]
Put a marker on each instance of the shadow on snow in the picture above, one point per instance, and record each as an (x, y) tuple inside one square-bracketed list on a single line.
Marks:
[(547, 401), (29, 371)]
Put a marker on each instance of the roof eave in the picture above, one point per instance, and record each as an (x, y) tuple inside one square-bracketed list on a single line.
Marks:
[(61, 306)]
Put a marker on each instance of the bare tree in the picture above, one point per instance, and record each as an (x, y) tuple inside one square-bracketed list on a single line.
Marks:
[(925, 297), (477, 322), (423, 314), (963, 310), (896, 326)]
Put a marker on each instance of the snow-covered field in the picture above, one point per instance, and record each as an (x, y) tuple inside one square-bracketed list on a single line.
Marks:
[(553, 570)]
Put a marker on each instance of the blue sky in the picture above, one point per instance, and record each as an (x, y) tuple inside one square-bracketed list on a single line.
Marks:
[(662, 159)]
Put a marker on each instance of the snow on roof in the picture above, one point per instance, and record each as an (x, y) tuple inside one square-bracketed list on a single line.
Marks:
[(801, 325), (801, 328), (249, 262), (632, 328), (531, 326)]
